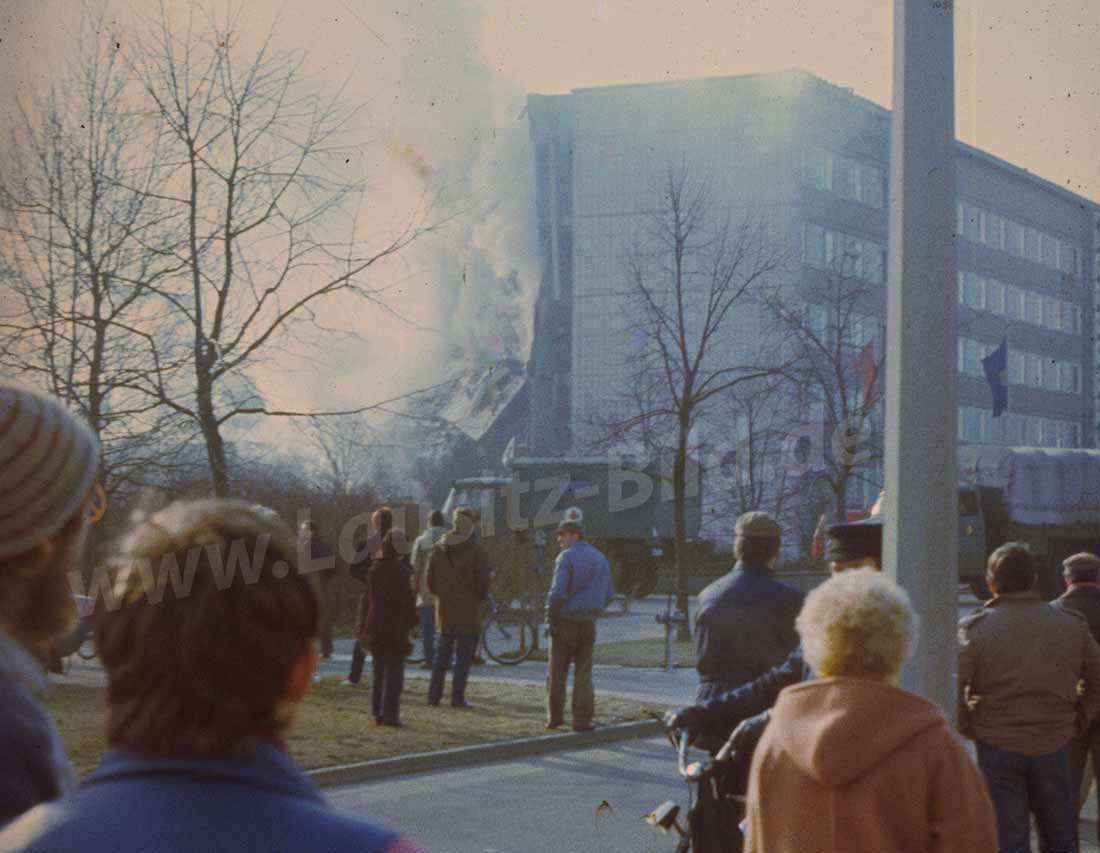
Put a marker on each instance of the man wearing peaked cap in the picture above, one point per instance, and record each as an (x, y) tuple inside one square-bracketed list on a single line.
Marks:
[(580, 591), (855, 544), (48, 464)]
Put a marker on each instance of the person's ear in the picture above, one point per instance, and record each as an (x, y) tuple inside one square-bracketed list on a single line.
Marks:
[(301, 674)]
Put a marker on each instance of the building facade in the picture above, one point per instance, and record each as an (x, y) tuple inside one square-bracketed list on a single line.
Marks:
[(811, 159)]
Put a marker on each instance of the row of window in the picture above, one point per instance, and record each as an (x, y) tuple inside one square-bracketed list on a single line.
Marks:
[(843, 253), (1025, 369), (1007, 235), (978, 426), (843, 176), (1007, 300)]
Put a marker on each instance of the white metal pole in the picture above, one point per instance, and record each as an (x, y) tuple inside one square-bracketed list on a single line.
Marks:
[(920, 546)]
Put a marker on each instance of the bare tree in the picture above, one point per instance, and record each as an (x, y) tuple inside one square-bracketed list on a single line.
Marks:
[(80, 250), (831, 334), (691, 275), (267, 225)]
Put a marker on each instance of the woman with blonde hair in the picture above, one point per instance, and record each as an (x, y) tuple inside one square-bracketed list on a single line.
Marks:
[(851, 762)]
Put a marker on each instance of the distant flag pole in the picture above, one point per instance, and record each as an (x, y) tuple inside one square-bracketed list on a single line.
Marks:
[(995, 366), (865, 370)]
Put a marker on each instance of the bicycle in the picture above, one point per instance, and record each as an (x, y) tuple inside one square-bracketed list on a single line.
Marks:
[(510, 634), (714, 818)]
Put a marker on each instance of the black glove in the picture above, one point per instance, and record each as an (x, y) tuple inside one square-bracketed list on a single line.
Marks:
[(689, 717)]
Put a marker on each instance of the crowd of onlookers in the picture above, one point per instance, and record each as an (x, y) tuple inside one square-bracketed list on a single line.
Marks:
[(843, 759), (203, 687)]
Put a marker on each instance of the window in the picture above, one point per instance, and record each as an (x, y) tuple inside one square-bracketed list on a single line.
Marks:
[(1067, 258), (1068, 377), (971, 223), (1051, 379), (1034, 308), (844, 177), (1033, 370), (874, 263), (813, 168), (1051, 313), (1014, 308), (994, 234), (995, 296), (1031, 432), (974, 353), (1014, 238), (960, 287), (1050, 251), (813, 252), (1015, 367), (974, 290), (1031, 245), (873, 186)]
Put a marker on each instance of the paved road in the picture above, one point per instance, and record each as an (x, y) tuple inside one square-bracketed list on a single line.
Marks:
[(538, 805)]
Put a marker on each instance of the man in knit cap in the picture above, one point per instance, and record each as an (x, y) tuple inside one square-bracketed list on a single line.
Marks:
[(48, 465)]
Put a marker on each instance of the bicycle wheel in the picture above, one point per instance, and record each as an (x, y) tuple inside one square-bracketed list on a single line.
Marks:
[(509, 637)]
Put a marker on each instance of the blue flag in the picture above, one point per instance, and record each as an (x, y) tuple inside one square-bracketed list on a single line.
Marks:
[(995, 366)]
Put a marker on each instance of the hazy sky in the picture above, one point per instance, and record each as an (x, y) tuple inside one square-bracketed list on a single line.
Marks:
[(444, 84)]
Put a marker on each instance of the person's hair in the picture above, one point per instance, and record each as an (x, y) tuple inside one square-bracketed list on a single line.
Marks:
[(755, 549), (382, 521), (202, 666), (436, 519), (1012, 567), (1083, 567), (394, 544), (858, 623), (37, 607)]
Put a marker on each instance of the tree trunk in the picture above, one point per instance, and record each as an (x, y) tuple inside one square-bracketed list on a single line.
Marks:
[(679, 515), (211, 431)]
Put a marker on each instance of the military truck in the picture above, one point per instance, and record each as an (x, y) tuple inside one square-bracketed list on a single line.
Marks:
[(627, 504), (1048, 498)]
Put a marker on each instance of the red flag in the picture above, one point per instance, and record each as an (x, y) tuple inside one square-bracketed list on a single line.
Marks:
[(865, 370)]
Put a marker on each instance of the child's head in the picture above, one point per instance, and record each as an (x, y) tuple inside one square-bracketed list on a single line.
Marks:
[(209, 642), (48, 463)]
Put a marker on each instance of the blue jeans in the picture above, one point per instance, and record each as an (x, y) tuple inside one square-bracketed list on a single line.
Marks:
[(462, 647), (389, 679), (427, 631), (1037, 784)]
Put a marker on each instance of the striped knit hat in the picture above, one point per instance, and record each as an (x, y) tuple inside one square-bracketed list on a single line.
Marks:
[(48, 462)]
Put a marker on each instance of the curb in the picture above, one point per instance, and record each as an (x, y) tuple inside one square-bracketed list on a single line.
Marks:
[(484, 753)]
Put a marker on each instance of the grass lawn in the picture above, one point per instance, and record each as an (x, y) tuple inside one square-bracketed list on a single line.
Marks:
[(335, 725), (644, 653)]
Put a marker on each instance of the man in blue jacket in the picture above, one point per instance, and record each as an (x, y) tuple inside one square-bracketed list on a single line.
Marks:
[(204, 675), (579, 592)]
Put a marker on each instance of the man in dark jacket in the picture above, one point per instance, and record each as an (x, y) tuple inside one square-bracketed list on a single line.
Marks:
[(747, 709), (203, 683), (744, 624), (459, 576), (1021, 666), (1082, 576), (48, 464)]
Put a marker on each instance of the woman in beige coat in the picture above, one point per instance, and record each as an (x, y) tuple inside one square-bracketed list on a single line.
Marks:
[(851, 763)]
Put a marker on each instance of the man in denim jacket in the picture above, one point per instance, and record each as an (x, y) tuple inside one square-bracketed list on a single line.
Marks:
[(579, 593)]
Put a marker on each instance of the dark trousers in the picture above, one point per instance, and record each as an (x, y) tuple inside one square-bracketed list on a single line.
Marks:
[(427, 631), (1080, 750), (462, 648), (389, 680), (1021, 785), (571, 643), (358, 658), (324, 599)]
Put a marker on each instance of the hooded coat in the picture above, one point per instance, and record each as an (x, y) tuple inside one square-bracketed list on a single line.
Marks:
[(849, 765)]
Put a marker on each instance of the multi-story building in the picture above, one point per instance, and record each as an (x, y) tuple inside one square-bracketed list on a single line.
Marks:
[(812, 160)]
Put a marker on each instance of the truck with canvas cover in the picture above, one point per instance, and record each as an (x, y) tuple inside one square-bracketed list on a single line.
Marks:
[(1046, 497), (627, 505)]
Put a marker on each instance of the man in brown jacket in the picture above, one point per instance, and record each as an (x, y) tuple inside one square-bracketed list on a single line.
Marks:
[(459, 575), (1021, 662)]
